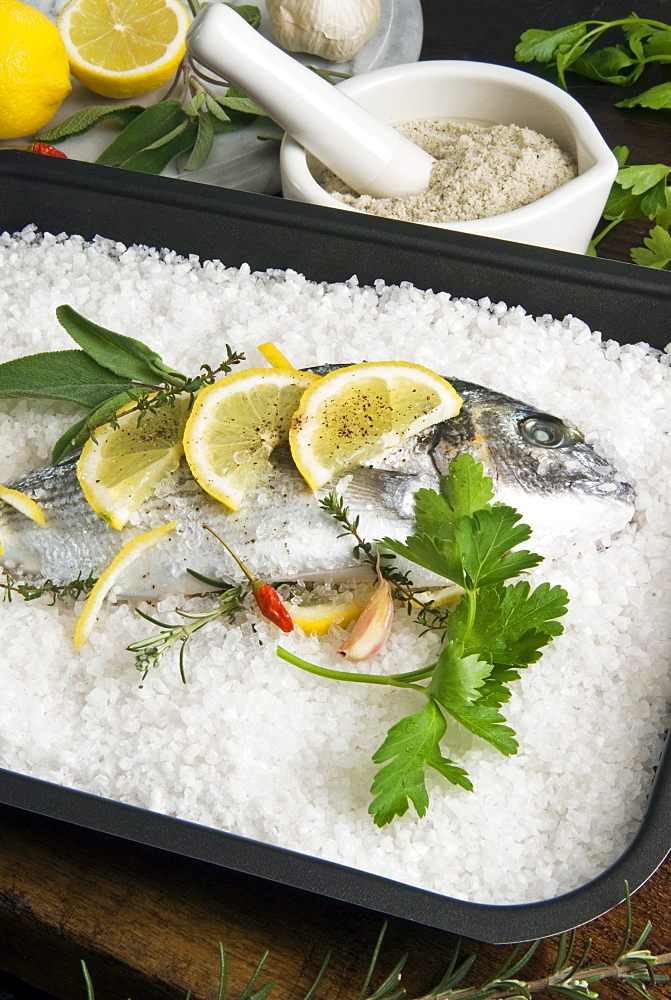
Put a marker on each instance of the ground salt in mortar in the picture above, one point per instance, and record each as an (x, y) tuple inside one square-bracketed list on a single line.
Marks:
[(589, 716), (481, 170)]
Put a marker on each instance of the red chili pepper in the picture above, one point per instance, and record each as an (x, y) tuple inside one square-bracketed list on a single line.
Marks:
[(46, 150), (267, 599), (271, 607)]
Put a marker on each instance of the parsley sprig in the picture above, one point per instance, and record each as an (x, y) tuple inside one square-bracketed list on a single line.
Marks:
[(568, 48), (497, 629), (640, 192)]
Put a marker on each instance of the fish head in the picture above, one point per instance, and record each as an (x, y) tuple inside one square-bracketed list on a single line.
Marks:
[(539, 463)]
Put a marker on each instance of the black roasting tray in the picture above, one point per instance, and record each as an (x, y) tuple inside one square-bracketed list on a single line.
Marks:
[(627, 303)]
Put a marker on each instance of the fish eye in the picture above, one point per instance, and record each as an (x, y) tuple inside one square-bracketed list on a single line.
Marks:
[(546, 432)]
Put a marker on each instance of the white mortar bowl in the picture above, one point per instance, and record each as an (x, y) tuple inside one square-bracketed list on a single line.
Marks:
[(565, 219)]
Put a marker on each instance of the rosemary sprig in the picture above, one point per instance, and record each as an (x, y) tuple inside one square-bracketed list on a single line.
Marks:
[(633, 966), (31, 592), (150, 650)]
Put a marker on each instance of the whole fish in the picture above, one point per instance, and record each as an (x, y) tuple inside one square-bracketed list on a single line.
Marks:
[(539, 464)]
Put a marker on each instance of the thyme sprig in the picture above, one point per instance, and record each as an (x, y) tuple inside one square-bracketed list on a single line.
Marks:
[(31, 592), (150, 650)]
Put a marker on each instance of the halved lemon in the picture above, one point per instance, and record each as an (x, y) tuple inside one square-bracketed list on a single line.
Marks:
[(354, 413), (119, 470), (123, 48), (235, 424), (129, 553)]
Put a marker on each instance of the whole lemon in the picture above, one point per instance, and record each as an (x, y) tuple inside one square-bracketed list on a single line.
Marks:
[(34, 70)]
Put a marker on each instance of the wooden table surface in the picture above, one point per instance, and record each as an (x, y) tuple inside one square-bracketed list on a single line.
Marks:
[(146, 923)]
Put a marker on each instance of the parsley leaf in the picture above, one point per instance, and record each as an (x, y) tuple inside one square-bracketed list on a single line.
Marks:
[(657, 250), (621, 64), (486, 722), (410, 746), (484, 542), (463, 492), (458, 679)]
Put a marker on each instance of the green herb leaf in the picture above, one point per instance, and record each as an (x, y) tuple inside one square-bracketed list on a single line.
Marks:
[(608, 65), (413, 744), (71, 375), (457, 678), (155, 122), (657, 250), (245, 105), (80, 432), (462, 492), (156, 157), (657, 98), (249, 12), (203, 145), (87, 118), (486, 722), (215, 108), (484, 542), (440, 556), (125, 356), (543, 45)]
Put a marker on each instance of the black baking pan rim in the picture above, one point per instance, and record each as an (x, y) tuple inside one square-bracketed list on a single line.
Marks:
[(628, 303), (495, 924), (425, 256)]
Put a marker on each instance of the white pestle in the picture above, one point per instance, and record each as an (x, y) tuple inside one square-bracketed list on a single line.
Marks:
[(369, 155)]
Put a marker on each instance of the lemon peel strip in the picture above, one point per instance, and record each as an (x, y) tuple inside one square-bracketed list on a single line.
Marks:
[(131, 551), (274, 356)]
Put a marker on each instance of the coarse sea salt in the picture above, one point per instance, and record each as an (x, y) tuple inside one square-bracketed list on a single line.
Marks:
[(255, 747)]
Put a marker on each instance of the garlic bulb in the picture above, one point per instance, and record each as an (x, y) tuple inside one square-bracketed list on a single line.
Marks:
[(332, 29)]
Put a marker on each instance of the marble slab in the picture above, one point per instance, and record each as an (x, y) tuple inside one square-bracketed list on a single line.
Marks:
[(248, 160)]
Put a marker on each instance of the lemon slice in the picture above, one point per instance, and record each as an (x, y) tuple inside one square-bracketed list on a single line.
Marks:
[(317, 619), (22, 503), (235, 424), (123, 48), (129, 553), (118, 470), (354, 413), (438, 596)]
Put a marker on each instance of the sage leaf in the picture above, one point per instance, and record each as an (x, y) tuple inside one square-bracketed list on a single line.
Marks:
[(125, 356), (75, 436), (243, 104), (71, 375), (249, 12), (153, 124), (87, 118), (215, 108), (156, 157), (203, 144)]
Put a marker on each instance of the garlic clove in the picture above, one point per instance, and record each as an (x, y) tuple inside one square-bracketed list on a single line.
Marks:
[(373, 625), (333, 29)]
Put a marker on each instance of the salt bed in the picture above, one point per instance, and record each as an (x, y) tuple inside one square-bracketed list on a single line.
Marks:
[(256, 747)]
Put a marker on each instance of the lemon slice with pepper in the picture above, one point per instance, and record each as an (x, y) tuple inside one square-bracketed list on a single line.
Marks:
[(234, 426), (120, 467), (352, 414)]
